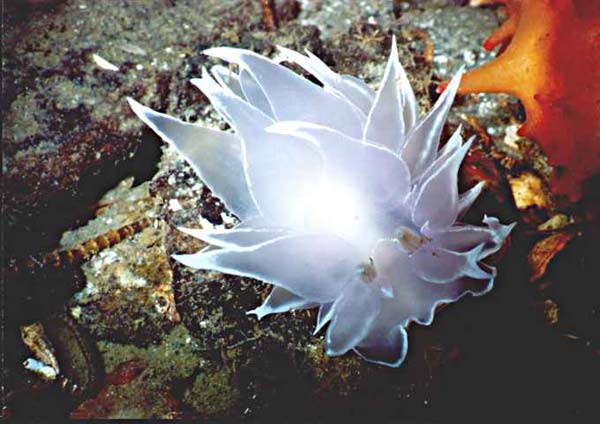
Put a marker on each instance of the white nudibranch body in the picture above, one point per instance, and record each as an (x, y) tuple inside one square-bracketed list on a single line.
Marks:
[(345, 200)]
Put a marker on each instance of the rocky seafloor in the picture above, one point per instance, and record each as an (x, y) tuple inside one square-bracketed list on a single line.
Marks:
[(100, 322)]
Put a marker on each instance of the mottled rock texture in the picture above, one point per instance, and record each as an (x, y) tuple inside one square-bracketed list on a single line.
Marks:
[(176, 343)]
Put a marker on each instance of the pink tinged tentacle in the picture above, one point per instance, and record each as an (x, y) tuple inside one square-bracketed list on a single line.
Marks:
[(281, 84), (294, 263), (279, 301), (216, 157), (354, 313), (436, 199), (385, 123), (353, 89), (422, 142)]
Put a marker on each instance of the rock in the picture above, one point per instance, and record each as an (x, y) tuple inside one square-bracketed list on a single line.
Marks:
[(177, 343)]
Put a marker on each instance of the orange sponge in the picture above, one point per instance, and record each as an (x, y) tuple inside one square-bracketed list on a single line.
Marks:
[(550, 60)]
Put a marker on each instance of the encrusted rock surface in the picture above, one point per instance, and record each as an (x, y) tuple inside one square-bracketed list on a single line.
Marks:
[(177, 343)]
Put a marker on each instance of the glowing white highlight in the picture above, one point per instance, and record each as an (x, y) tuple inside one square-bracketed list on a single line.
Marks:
[(334, 208)]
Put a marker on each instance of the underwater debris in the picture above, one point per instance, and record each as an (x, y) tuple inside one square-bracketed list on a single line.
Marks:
[(528, 191), (545, 250), (45, 362)]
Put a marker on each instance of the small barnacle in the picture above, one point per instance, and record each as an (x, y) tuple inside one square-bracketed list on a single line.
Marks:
[(345, 200)]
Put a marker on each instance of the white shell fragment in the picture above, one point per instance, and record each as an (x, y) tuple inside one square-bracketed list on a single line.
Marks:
[(103, 63), (38, 367)]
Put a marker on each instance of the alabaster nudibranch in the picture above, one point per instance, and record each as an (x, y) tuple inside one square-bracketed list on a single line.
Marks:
[(346, 202)]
